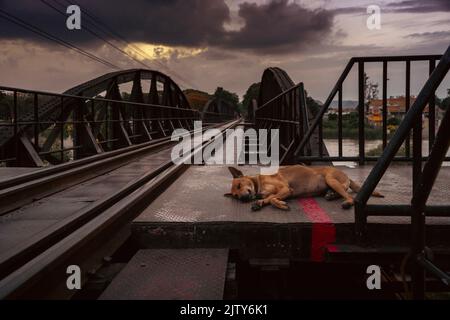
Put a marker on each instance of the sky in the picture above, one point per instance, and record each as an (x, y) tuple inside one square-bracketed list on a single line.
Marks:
[(204, 44)]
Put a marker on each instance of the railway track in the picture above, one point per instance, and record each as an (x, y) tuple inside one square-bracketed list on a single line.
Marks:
[(25, 188), (84, 235)]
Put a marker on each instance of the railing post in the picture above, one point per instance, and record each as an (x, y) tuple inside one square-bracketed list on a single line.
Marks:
[(361, 112), (417, 150), (61, 133), (305, 120), (301, 132), (418, 246), (340, 121), (420, 197), (36, 122), (407, 105), (16, 127), (431, 112), (384, 111), (360, 222), (360, 215)]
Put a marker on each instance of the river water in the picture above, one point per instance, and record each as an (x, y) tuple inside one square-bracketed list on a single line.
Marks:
[(350, 148)]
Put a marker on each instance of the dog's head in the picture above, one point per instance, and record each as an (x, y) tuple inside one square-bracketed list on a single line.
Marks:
[(242, 187)]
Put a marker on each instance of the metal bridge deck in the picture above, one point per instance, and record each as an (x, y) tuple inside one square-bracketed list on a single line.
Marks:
[(190, 274), (194, 213)]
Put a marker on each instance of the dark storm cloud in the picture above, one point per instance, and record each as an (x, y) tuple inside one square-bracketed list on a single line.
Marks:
[(277, 26), (437, 35), (350, 10), (420, 6), (171, 22), (404, 6)]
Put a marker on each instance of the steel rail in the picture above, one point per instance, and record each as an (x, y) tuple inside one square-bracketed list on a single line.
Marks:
[(45, 172), (87, 225), (39, 173)]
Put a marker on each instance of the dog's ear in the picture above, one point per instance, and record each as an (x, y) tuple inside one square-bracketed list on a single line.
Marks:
[(229, 195), (235, 172)]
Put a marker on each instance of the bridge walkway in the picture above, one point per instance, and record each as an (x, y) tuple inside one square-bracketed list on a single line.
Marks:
[(193, 213)]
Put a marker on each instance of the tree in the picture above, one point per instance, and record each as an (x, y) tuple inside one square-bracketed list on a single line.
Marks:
[(227, 96), (393, 121), (332, 117), (197, 99), (444, 103), (252, 93), (370, 91), (312, 104)]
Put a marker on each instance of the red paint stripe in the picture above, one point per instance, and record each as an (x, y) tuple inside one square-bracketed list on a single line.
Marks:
[(323, 229)]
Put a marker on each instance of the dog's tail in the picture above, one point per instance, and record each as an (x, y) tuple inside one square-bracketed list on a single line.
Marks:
[(356, 187)]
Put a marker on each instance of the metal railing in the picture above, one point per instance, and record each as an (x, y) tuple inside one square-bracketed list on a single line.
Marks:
[(84, 125), (423, 181), (286, 112), (361, 157)]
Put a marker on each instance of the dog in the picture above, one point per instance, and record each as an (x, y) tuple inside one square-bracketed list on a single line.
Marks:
[(293, 181)]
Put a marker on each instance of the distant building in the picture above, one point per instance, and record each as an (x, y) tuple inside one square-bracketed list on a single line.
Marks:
[(344, 111), (396, 107), (197, 99)]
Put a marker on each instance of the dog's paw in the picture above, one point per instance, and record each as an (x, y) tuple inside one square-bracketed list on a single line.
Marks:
[(280, 204), (256, 206), (347, 204), (284, 208), (331, 195)]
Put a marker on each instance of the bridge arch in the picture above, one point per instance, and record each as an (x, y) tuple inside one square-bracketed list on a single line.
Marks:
[(218, 110), (273, 82), (282, 105), (172, 95)]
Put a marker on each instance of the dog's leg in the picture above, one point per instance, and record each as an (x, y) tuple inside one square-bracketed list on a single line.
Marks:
[(341, 189), (356, 187), (280, 204), (275, 199)]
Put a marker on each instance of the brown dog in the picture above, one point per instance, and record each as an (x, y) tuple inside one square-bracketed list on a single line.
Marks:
[(293, 181)]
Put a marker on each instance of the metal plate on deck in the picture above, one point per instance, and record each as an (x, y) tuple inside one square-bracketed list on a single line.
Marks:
[(168, 274), (198, 197)]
